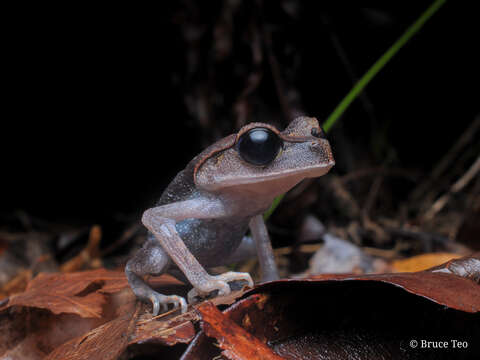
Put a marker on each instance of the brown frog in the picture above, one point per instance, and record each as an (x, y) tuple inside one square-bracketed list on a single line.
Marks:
[(201, 219)]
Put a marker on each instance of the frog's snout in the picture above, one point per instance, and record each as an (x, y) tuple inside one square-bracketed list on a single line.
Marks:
[(321, 148), (316, 146)]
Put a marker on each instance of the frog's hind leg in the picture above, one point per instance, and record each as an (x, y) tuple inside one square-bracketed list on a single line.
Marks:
[(151, 259)]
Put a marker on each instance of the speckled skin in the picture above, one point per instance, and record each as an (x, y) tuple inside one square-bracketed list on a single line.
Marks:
[(211, 241), (204, 213)]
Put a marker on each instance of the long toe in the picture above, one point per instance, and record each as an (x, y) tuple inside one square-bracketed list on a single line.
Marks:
[(235, 276), (183, 304), (156, 305), (192, 294)]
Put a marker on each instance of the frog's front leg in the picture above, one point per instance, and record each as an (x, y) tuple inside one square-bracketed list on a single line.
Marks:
[(268, 268), (257, 245), (161, 222)]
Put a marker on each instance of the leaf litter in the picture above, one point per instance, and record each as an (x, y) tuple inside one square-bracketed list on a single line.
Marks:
[(94, 315)]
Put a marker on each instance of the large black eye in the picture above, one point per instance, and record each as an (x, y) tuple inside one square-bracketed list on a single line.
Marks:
[(259, 146)]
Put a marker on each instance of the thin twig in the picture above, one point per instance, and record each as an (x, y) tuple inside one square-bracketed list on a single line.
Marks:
[(372, 196), (455, 188), (445, 162)]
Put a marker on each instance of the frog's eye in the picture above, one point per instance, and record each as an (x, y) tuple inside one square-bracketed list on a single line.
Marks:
[(259, 146)]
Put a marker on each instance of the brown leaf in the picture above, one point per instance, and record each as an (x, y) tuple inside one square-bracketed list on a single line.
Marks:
[(237, 342), (29, 333), (112, 338), (168, 332), (436, 284), (81, 293), (338, 316), (105, 342), (66, 293), (66, 336)]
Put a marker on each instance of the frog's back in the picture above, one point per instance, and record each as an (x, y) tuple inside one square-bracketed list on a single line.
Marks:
[(180, 188), (183, 186)]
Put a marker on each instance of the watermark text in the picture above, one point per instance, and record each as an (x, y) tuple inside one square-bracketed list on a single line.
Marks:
[(438, 344)]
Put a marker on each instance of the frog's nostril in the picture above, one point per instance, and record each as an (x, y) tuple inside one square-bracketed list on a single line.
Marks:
[(315, 146), (318, 133)]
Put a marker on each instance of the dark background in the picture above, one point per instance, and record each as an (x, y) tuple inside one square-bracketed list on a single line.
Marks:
[(96, 122)]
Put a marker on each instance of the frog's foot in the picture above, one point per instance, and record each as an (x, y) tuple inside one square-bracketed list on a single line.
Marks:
[(235, 276), (161, 301), (218, 285)]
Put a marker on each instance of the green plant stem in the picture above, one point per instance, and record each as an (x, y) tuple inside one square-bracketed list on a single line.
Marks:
[(272, 207), (381, 62), (368, 76)]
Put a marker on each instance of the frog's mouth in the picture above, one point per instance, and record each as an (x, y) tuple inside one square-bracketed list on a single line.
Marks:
[(281, 177)]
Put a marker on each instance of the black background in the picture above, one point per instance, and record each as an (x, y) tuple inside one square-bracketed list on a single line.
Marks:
[(95, 125)]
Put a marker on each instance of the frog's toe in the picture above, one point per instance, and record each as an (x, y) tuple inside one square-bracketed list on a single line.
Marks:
[(179, 302), (220, 285), (236, 276), (192, 296), (155, 304), (217, 288), (160, 301)]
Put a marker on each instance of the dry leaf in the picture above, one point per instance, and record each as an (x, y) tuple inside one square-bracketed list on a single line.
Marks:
[(70, 331), (105, 342), (81, 293), (422, 262), (236, 342), (73, 293), (354, 316)]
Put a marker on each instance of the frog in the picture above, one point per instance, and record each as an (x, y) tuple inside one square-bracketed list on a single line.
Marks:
[(202, 218)]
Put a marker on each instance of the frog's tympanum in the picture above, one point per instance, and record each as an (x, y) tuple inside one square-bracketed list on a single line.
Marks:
[(201, 219)]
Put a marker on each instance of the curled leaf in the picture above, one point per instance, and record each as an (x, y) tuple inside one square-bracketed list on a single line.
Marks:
[(354, 316)]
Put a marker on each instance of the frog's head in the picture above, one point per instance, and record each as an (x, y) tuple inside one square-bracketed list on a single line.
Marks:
[(260, 159)]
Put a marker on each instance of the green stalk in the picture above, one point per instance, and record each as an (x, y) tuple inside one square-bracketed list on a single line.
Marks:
[(380, 63), (368, 76), (272, 207)]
